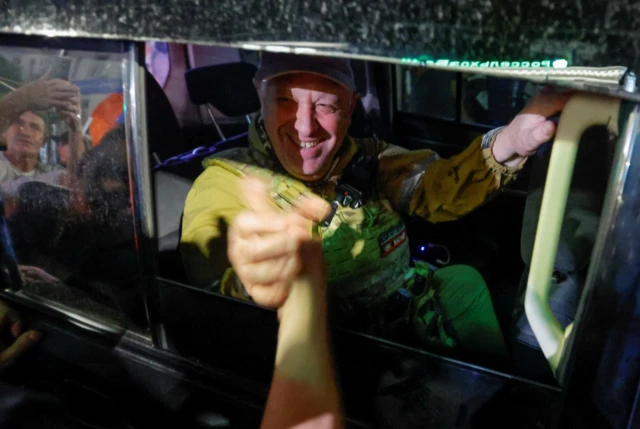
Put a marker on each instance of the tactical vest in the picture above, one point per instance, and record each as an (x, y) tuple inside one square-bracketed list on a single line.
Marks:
[(366, 248)]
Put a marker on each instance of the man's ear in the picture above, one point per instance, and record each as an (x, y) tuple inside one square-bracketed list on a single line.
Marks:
[(258, 86), (260, 89)]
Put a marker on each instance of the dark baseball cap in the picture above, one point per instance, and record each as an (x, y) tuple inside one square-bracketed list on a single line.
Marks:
[(277, 64)]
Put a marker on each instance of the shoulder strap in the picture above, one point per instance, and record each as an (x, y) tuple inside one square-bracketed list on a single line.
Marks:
[(356, 184)]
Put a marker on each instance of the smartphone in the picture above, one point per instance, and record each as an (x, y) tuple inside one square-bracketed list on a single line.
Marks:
[(60, 68)]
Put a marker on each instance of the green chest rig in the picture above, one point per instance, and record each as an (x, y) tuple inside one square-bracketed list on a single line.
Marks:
[(366, 248)]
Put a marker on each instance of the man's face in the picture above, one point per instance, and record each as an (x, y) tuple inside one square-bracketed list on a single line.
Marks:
[(306, 117), (26, 135)]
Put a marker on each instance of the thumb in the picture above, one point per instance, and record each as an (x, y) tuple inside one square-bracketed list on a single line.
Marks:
[(256, 194), (542, 133), (312, 207)]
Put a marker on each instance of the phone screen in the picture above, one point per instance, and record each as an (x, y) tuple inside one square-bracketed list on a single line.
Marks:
[(60, 68)]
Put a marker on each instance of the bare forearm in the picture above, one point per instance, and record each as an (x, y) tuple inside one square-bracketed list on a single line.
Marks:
[(76, 152), (304, 386)]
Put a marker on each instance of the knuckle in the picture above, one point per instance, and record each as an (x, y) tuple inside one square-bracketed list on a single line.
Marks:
[(242, 272), (233, 258), (249, 288), (232, 233), (242, 220), (234, 249)]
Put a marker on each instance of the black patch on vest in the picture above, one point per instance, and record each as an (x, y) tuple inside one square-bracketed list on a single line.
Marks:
[(392, 239)]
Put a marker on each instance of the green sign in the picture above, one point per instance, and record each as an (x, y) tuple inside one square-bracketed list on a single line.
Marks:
[(423, 61)]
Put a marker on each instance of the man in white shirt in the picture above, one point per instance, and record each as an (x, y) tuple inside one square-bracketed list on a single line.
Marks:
[(24, 131)]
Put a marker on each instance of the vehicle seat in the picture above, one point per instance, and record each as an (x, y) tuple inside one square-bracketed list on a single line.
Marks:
[(163, 128), (165, 140), (228, 88), (593, 163)]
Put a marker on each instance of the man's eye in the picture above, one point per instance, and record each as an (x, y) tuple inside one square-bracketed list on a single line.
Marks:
[(326, 108), (284, 100)]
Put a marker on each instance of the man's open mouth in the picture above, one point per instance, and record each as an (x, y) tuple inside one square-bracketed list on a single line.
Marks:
[(306, 144)]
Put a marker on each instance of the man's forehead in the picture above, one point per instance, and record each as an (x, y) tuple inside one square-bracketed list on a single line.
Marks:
[(311, 81), (32, 118)]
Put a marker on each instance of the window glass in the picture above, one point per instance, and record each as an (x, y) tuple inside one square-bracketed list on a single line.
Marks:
[(493, 101), (485, 100), (428, 92), (69, 234)]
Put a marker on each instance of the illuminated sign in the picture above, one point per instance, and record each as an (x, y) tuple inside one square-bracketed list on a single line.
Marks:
[(424, 61)]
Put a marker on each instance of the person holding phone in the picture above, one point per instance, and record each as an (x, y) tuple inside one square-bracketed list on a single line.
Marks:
[(24, 129)]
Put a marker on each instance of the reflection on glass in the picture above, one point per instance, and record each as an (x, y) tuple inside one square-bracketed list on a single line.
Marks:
[(64, 180), (485, 100), (493, 101)]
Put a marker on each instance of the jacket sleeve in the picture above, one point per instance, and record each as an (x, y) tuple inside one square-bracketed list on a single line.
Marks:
[(211, 205), (421, 183)]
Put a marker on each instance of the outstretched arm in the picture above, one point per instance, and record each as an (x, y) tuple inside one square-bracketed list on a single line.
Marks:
[(41, 94), (280, 262), (303, 390)]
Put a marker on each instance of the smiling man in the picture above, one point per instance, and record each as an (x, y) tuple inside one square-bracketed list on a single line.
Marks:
[(299, 146)]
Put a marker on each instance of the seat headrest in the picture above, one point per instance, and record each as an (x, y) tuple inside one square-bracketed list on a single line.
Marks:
[(164, 133), (228, 87)]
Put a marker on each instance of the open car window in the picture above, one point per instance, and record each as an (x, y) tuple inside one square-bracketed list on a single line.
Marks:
[(68, 239), (377, 286), (474, 264)]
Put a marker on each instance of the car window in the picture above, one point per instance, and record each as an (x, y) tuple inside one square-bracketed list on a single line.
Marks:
[(378, 283), (483, 100), (451, 288), (69, 237), (493, 101), (428, 92)]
